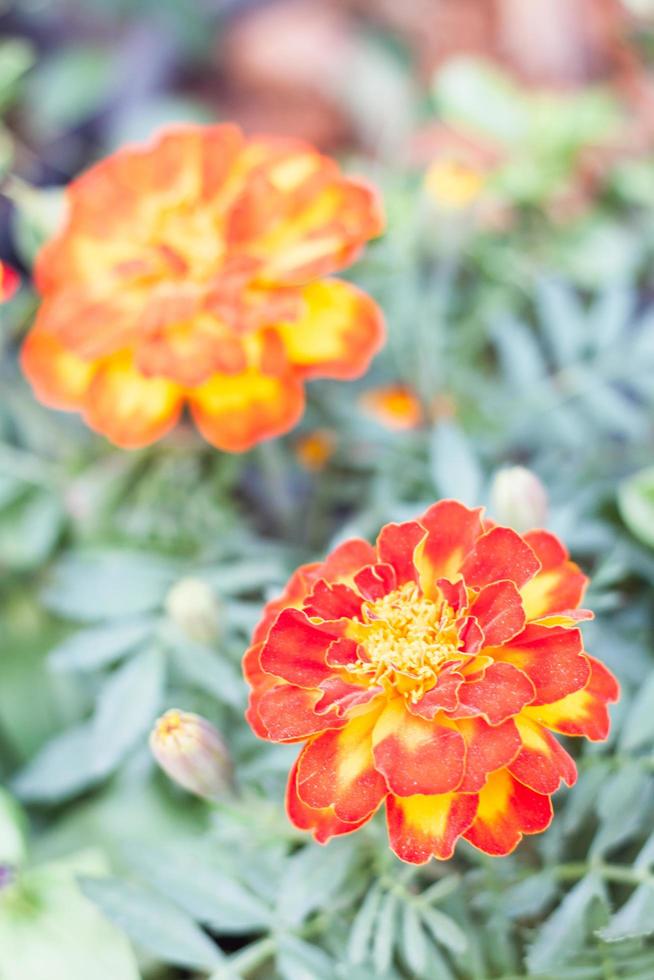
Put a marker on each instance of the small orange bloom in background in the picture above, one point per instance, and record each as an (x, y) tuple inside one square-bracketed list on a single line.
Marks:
[(9, 282), (395, 406), (190, 272), (454, 184), (314, 449), (428, 673)]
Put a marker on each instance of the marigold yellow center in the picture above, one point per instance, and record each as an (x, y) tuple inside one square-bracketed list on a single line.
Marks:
[(407, 638)]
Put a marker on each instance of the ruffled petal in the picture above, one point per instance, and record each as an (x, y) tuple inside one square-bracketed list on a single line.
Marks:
[(346, 560), (541, 763), (452, 530), (332, 601), (559, 586), (59, 379), (551, 657), (488, 748), (498, 610), (286, 713), (128, 408), (323, 823), (507, 810), (502, 692), (421, 827), (235, 411), (295, 649), (584, 712), (500, 554), (337, 333), (415, 755), (337, 769), (396, 545)]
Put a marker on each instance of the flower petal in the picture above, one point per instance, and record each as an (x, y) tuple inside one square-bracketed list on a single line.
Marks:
[(452, 530), (551, 657), (500, 554), (375, 581), (323, 823), (335, 601), (339, 696), (346, 560), (415, 755), (502, 692), (488, 748), (336, 335), (506, 811), (560, 585), (298, 587), (59, 379), (542, 762), (421, 827), (585, 711), (295, 649), (498, 610), (395, 546), (443, 696), (286, 713), (337, 769), (235, 411), (128, 408)]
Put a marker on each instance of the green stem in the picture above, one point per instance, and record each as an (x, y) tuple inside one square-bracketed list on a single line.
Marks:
[(620, 874)]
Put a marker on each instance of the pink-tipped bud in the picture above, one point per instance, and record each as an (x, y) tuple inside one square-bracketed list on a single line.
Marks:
[(192, 753), (193, 607), (518, 498)]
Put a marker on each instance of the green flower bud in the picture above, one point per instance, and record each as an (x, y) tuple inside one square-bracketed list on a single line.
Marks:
[(193, 607), (518, 499), (192, 753)]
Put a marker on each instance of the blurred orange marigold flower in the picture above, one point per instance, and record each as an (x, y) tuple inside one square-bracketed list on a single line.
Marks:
[(394, 406), (428, 673), (314, 449), (453, 184), (190, 272), (9, 282)]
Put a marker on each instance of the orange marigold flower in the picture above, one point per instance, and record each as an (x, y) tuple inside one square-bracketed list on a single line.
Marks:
[(190, 272), (428, 673), (395, 406), (9, 282), (314, 449)]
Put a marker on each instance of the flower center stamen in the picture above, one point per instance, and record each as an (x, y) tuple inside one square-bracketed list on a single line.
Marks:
[(407, 638)]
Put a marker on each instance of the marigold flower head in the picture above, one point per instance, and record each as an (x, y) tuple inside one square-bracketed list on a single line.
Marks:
[(314, 449), (428, 673), (394, 406), (191, 272), (9, 282), (192, 753)]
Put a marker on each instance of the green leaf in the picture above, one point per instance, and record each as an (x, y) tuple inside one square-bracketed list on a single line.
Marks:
[(636, 505), (50, 931), (314, 875), (445, 930), (562, 319), (358, 947), (69, 86), (623, 806), (13, 828), (413, 942), (63, 767), (529, 897), (154, 923), (564, 932), (480, 97), (126, 709), (208, 670), (299, 960), (16, 58), (110, 584), (36, 216), (385, 933), (29, 529), (454, 466), (638, 727), (200, 886), (635, 918), (100, 646)]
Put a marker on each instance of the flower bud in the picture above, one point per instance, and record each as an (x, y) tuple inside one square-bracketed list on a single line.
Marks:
[(193, 607), (453, 184), (192, 753), (518, 498)]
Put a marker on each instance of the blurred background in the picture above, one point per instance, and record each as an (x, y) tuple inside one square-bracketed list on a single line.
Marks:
[(513, 144)]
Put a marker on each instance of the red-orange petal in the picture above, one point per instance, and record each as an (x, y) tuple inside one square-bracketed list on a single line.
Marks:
[(337, 769), (507, 810), (295, 649), (502, 692), (488, 748), (9, 282), (337, 333), (542, 762), (584, 712), (332, 601), (498, 610), (421, 827), (346, 560), (500, 553), (396, 545), (287, 713), (452, 530), (415, 755), (128, 408), (323, 823), (443, 696), (235, 411), (59, 379), (559, 586), (551, 657)]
